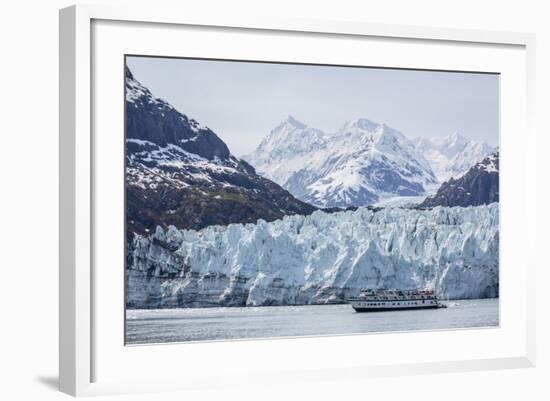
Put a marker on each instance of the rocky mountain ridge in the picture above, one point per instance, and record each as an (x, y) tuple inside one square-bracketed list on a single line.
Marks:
[(181, 173), (479, 186)]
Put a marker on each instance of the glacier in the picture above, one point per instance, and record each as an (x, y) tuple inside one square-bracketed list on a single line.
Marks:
[(317, 259)]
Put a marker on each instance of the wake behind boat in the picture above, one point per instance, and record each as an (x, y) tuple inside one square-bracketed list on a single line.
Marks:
[(390, 300)]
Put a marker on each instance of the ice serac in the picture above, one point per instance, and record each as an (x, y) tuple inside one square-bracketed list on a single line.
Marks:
[(358, 165), (320, 258)]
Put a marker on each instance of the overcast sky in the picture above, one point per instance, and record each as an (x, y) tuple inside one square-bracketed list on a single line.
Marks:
[(243, 101)]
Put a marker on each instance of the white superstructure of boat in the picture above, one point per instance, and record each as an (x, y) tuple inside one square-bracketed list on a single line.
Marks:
[(379, 300)]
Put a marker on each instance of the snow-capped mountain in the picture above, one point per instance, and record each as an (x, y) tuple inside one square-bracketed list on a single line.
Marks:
[(181, 173), (479, 186), (358, 165), (319, 258), (453, 155)]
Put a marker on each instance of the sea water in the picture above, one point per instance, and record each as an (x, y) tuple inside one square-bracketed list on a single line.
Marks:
[(207, 324)]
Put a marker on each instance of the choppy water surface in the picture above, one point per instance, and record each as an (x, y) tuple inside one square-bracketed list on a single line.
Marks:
[(175, 325)]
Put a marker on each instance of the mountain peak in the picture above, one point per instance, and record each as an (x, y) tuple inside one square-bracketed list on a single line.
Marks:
[(128, 73), (294, 122), (289, 137), (454, 139), (452, 155), (351, 167), (362, 124), (151, 119), (287, 127)]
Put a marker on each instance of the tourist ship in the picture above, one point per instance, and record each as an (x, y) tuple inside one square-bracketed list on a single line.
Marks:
[(390, 300)]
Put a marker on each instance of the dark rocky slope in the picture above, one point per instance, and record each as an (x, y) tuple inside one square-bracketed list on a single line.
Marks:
[(479, 186), (181, 173)]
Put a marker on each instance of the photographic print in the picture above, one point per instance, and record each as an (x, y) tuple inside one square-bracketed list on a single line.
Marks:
[(268, 200)]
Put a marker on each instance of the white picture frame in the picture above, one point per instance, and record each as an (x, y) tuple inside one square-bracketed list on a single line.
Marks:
[(81, 344)]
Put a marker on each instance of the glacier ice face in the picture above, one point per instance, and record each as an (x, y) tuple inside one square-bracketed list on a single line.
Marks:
[(320, 258)]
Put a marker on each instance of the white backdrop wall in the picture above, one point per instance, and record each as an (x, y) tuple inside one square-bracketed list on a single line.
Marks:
[(29, 185)]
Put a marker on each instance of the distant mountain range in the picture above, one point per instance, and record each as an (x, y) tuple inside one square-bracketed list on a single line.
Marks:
[(479, 186), (181, 173), (358, 165), (453, 155)]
